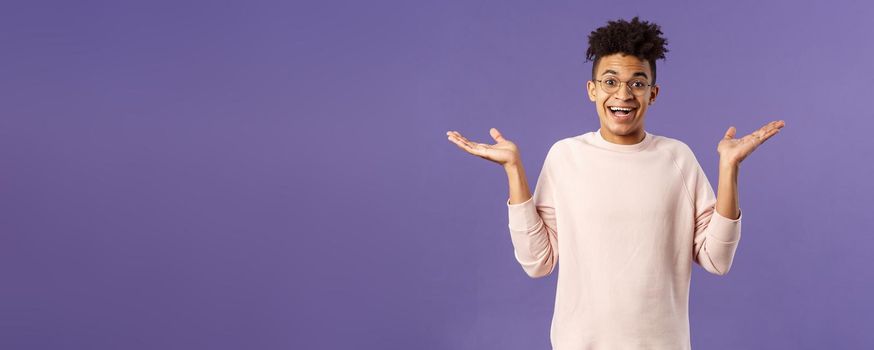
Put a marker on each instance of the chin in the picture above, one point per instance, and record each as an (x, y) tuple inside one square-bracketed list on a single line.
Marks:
[(622, 129)]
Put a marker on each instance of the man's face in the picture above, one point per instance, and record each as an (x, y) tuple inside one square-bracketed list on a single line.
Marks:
[(620, 67)]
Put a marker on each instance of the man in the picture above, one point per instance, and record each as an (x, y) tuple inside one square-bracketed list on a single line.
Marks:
[(627, 211)]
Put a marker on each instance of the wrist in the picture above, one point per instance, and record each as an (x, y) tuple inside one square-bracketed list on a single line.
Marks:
[(728, 164), (512, 166), (728, 171)]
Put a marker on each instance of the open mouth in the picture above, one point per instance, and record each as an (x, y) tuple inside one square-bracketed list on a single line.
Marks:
[(622, 113)]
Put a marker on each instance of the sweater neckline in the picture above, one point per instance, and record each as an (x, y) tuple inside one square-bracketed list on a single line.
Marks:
[(603, 143)]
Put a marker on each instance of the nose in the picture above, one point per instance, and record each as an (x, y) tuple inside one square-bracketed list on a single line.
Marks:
[(624, 92)]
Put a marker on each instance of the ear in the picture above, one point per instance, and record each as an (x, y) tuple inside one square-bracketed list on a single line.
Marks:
[(590, 89), (653, 93)]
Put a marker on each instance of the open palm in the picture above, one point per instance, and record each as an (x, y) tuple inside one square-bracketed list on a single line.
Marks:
[(503, 152), (734, 151)]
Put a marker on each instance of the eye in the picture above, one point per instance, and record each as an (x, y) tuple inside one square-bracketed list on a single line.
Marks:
[(610, 81), (637, 84)]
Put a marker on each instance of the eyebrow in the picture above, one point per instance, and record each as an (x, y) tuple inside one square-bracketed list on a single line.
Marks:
[(636, 74)]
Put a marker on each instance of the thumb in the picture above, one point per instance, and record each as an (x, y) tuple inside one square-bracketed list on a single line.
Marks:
[(496, 134), (729, 134)]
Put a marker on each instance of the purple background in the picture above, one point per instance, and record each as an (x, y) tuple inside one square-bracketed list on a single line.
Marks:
[(219, 175)]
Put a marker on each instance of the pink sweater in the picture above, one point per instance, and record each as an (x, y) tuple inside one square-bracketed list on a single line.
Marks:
[(627, 222)]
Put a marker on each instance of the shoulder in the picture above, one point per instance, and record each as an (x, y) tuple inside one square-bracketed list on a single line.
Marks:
[(674, 146), (559, 147), (679, 152), (566, 147), (570, 143)]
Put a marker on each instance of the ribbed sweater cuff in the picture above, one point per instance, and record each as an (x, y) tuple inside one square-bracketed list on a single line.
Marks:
[(523, 216), (725, 229)]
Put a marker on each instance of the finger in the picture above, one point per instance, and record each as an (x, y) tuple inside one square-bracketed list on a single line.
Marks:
[(729, 134), (777, 124), (480, 149), (769, 134), (462, 138), (760, 133), (476, 149), (767, 131), (763, 135), (461, 141), (496, 134), (457, 136), (454, 139), (470, 144), (465, 146)]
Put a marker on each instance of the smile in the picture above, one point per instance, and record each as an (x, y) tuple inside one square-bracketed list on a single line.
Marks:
[(622, 113)]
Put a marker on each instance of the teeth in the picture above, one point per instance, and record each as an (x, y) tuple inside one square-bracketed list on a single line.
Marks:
[(620, 109)]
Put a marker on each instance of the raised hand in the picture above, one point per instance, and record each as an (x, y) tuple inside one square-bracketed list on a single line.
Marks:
[(503, 152), (733, 151)]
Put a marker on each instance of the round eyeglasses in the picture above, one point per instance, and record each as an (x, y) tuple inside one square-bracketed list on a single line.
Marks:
[(611, 85)]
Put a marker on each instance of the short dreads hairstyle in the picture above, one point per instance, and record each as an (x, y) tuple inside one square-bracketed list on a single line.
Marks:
[(637, 38)]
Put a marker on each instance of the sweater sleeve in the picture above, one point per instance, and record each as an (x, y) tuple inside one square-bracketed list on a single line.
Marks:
[(533, 227), (716, 236)]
